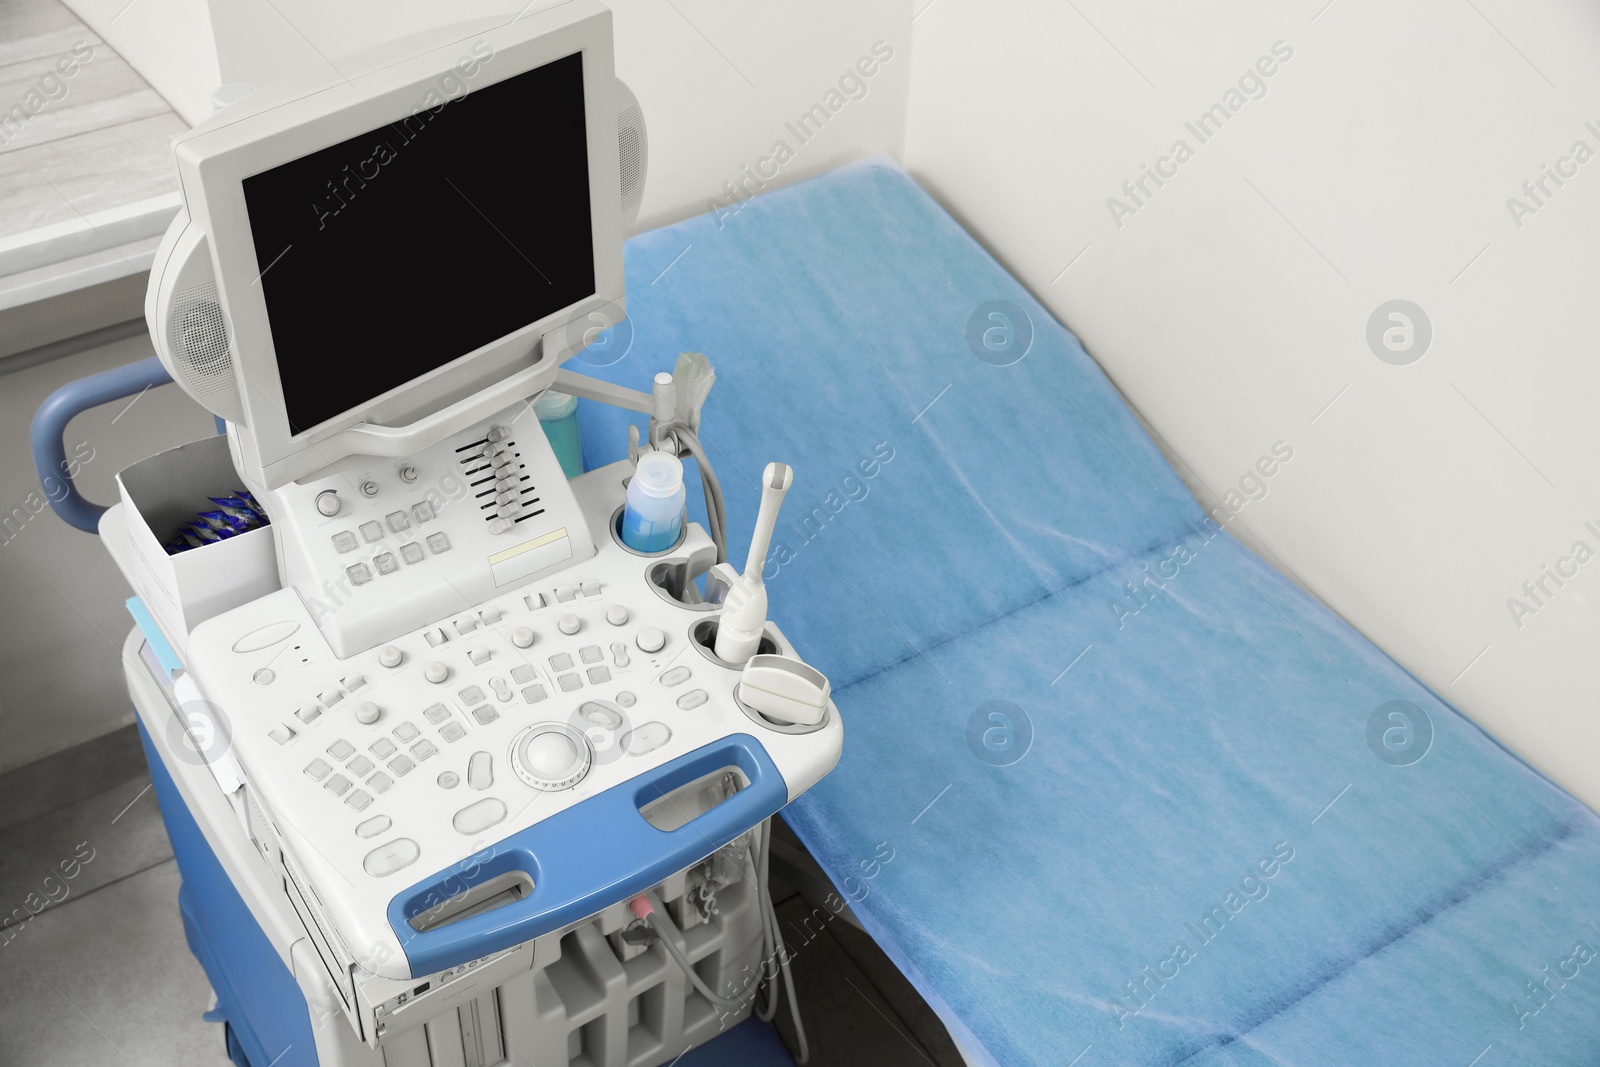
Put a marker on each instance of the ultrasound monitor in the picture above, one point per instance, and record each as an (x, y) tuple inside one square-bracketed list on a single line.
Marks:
[(372, 259), (406, 247)]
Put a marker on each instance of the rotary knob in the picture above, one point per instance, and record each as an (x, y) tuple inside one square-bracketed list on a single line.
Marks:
[(522, 637), (391, 656), (569, 624), (551, 756), (651, 639), (328, 503), (617, 615), (367, 713), (437, 672)]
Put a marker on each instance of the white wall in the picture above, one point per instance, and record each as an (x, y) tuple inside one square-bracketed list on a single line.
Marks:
[(1232, 305)]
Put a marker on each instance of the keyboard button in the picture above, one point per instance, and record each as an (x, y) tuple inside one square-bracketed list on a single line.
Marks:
[(344, 541), (309, 713), (692, 699), (360, 766), (341, 749), (478, 656), (358, 800), (354, 682), (471, 695), (435, 636), (380, 782), (437, 714), (374, 826), (569, 682), (401, 766), (485, 715), (561, 661), (397, 521), (533, 693), (490, 616), (479, 816), (391, 856), (439, 542), (449, 780), (522, 673), (337, 784), (676, 676), (359, 573), (626, 699), (646, 738), (567, 593), (452, 731), (411, 552), (502, 691), (383, 748), (475, 818), (317, 770), (406, 732), (619, 654), (480, 771), (385, 562), (332, 697), (591, 654), (371, 531), (600, 715), (599, 674), (591, 587), (466, 625), (423, 750), (422, 512)]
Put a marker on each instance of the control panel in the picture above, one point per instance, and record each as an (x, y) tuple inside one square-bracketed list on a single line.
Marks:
[(405, 758), (377, 547)]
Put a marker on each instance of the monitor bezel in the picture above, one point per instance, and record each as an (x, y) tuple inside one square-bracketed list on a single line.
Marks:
[(214, 162)]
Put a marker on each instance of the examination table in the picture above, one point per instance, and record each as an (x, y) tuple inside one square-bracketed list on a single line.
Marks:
[(1114, 791)]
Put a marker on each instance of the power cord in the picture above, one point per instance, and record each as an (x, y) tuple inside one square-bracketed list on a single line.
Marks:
[(772, 944)]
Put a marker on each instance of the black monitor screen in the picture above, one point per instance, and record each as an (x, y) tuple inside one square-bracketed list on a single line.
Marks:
[(397, 251)]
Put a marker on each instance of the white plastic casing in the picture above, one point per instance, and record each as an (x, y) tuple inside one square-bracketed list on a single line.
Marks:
[(268, 665)]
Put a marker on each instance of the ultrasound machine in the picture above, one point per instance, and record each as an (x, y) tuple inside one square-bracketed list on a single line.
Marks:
[(456, 772)]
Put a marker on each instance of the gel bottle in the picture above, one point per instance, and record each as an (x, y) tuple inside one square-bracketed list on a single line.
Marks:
[(652, 521)]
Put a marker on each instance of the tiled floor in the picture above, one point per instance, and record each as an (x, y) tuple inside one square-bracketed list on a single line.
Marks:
[(98, 139), (102, 975)]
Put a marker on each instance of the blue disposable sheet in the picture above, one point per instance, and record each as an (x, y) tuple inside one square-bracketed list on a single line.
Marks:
[(1199, 830)]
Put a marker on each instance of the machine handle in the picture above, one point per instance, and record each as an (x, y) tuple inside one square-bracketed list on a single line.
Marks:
[(47, 434), (592, 855)]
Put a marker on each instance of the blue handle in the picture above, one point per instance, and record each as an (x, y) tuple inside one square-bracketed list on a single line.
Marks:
[(594, 854), (47, 434)]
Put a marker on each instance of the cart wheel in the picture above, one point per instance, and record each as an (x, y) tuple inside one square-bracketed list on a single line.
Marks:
[(235, 1050)]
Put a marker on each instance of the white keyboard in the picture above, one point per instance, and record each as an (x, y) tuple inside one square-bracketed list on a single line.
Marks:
[(403, 775)]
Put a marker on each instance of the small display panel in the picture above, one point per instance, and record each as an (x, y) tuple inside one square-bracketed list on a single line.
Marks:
[(395, 252)]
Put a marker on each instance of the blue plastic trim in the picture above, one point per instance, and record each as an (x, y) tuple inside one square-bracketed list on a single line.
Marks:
[(47, 434), (592, 855), (153, 636), (259, 998)]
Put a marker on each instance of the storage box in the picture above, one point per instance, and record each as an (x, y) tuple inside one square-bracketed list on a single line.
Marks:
[(161, 493)]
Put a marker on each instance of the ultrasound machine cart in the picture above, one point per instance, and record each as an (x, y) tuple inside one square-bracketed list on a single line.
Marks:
[(453, 773)]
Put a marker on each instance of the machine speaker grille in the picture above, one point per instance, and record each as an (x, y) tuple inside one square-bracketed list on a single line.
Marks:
[(202, 335), (630, 150)]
